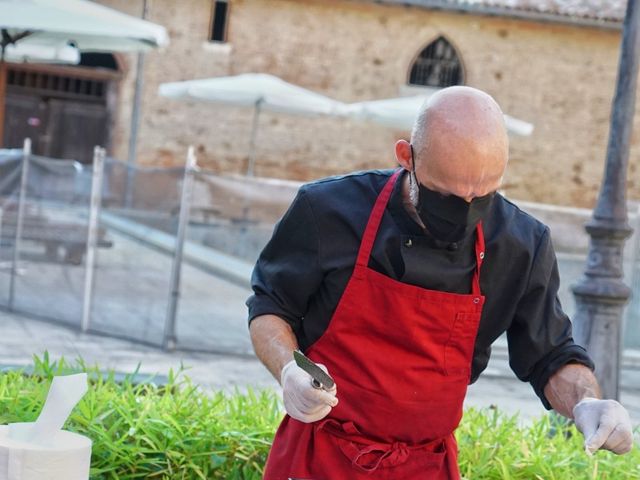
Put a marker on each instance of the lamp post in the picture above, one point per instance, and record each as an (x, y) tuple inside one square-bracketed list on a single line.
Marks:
[(601, 294)]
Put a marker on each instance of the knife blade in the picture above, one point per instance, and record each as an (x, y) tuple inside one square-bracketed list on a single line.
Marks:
[(321, 379)]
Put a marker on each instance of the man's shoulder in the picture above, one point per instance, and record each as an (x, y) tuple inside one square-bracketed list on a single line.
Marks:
[(512, 224), (510, 210), (352, 189), (364, 178)]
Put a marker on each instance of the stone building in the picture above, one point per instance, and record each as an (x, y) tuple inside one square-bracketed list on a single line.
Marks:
[(550, 62)]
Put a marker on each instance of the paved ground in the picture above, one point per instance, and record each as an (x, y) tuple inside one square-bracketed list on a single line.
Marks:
[(22, 337)]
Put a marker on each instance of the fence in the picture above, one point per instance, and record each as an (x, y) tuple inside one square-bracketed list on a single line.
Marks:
[(168, 259), (43, 237)]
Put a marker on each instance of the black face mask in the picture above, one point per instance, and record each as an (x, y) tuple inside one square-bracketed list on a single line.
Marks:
[(449, 218)]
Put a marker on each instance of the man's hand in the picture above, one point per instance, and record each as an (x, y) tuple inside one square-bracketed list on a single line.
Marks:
[(604, 424), (302, 400)]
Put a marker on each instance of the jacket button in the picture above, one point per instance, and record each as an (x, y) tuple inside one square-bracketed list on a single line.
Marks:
[(476, 300), (481, 255), (408, 243)]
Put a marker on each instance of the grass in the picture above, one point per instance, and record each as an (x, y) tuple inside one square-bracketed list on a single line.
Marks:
[(177, 431)]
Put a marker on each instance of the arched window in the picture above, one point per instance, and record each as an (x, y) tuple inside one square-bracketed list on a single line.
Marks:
[(437, 65)]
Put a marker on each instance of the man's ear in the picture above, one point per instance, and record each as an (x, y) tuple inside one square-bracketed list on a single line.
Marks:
[(403, 155)]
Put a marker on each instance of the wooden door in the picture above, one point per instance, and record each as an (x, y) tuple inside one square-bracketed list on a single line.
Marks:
[(26, 117), (75, 128), (64, 110)]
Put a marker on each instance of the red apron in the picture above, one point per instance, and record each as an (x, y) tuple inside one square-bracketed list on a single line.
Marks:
[(401, 358)]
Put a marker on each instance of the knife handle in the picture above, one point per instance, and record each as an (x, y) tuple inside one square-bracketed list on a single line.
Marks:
[(316, 384)]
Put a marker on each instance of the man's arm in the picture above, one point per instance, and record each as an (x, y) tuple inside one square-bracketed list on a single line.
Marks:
[(573, 391), (274, 342), (568, 386)]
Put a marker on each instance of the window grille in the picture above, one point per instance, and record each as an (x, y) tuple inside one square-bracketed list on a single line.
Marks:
[(220, 13), (437, 65), (54, 85)]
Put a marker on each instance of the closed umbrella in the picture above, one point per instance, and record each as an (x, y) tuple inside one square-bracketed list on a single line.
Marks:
[(259, 91)]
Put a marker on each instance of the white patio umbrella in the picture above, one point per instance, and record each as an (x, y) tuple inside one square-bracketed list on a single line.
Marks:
[(258, 90), (80, 23), (90, 26), (401, 112)]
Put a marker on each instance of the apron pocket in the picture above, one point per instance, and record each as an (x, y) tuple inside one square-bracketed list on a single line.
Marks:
[(458, 351)]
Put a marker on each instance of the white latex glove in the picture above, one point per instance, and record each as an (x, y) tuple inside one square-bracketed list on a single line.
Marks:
[(604, 424), (301, 400)]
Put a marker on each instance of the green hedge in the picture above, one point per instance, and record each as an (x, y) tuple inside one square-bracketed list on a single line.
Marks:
[(177, 431)]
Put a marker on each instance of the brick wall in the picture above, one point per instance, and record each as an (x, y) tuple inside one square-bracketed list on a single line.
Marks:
[(561, 78)]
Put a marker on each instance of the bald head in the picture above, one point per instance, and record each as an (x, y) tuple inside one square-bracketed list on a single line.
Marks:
[(460, 142)]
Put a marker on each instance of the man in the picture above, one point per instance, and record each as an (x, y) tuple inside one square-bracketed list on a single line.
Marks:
[(398, 283)]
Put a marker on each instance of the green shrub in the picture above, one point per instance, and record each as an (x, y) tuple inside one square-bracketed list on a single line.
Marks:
[(495, 446), (177, 431), (172, 431)]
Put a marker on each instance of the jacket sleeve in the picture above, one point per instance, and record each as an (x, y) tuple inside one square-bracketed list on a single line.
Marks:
[(287, 272), (540, 337)]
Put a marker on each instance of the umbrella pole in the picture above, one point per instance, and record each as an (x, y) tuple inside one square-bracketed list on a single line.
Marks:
[(135, 123), (254, 135)]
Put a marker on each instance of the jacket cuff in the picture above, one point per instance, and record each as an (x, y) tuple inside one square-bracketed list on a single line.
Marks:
[(264, 305), (549, 365)]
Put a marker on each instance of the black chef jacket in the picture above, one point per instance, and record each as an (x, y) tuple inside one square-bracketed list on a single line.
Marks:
[(303, 270)]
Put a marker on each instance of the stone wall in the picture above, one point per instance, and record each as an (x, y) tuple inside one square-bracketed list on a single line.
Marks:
[(559, 77)]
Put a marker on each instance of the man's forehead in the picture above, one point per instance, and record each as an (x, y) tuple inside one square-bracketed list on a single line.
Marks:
[(463, 188), (464, 175)]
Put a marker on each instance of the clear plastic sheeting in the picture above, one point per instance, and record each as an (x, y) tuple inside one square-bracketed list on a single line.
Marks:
[(130, 189), (131, 290), (231, 219), (236, 214), (51, 250), (10, 170), (131, 283), (212, 314)]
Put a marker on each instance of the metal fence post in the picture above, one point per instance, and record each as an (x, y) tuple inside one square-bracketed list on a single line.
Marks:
[(26, 157), (92, 236), (169, 340)]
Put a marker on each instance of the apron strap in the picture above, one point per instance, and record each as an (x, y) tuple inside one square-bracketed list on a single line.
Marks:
[(373, 224), (367, 455), (375, 218)]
